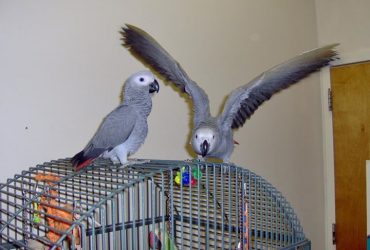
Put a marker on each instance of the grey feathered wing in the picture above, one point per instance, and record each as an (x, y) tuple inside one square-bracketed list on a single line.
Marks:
[(244, 101), (150, 52), (113, 131)]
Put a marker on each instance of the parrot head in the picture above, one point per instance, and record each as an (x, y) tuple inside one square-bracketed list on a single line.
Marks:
[(204, 140), (143, 79)]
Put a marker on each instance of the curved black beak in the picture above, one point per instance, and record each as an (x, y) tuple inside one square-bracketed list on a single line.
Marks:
[(204, 147), (154, 87)]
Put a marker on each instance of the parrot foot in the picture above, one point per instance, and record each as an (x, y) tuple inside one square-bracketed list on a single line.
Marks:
[(225, 169), (201, 158), (114, 160), (192, 160), (134, 161), (227, 166)]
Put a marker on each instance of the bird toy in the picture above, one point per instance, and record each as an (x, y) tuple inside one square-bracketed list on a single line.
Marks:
[(244, 243), (49, 204), (160, 240), (188, 177), (36, 216)]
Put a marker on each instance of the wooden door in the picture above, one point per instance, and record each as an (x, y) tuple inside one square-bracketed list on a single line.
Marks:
[(350, 86)]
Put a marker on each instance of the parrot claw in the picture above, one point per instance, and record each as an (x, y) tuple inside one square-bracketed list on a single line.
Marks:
[(134, 161), (225, 169), (200, 158), (227, 166)]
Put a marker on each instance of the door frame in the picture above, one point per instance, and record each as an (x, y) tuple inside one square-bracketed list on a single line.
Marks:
[(327, 137)]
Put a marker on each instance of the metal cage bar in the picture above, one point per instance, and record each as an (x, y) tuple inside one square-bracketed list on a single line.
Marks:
[(149, 204)]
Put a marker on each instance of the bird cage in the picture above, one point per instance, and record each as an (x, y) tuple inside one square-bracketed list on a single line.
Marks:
[(149, 204)]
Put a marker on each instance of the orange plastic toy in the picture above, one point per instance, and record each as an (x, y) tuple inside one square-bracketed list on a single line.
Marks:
[(49, 204)]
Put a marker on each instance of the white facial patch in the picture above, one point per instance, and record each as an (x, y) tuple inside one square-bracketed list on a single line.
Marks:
[(143, 78), (204, 134), (201, 135)]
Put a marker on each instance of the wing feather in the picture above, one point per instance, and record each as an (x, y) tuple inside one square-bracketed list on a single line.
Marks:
[(151, 53), (116, 127), (245, 100)]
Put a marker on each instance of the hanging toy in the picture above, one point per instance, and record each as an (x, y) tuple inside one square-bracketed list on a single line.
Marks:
[(197, 174), (246, 227), (160, 240), (36, 215), (193, 182), (178, 178), (185, 178), (155, 239), (188, 177)]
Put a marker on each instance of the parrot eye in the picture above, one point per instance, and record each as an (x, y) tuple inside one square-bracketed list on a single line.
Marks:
[(141, 79), (213, 137), (196, 136)]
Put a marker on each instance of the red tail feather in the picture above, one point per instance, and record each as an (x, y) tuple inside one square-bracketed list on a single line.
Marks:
[(83, 164)]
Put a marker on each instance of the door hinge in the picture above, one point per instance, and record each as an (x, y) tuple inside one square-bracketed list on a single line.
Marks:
[(333, 233), (330, 99)]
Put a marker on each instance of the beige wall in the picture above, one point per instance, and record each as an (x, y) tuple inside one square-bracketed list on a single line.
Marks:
[(62, 68), (345, 22)]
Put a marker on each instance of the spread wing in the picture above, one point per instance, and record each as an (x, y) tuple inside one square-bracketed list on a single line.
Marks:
[(150, 52), (244, 101)]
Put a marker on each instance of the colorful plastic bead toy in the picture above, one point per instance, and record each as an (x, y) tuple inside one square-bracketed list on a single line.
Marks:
[(188, 176)]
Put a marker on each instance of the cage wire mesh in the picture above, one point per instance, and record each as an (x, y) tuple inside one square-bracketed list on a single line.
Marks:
[(151, 204)]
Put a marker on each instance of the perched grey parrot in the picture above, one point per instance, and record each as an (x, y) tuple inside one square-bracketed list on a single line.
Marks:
[(213, 136), (124, 129)]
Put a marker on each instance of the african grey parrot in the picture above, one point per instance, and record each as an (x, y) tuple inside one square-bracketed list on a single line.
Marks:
[(213, 136), (124, 129)]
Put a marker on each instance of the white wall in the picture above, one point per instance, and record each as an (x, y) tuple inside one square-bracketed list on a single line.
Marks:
[(347, 23), (62, 68)]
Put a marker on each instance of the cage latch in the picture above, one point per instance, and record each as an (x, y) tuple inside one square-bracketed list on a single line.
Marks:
[(333, 233)]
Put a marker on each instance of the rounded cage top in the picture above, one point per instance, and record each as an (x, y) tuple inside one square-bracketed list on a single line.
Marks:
[(148, 204)]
